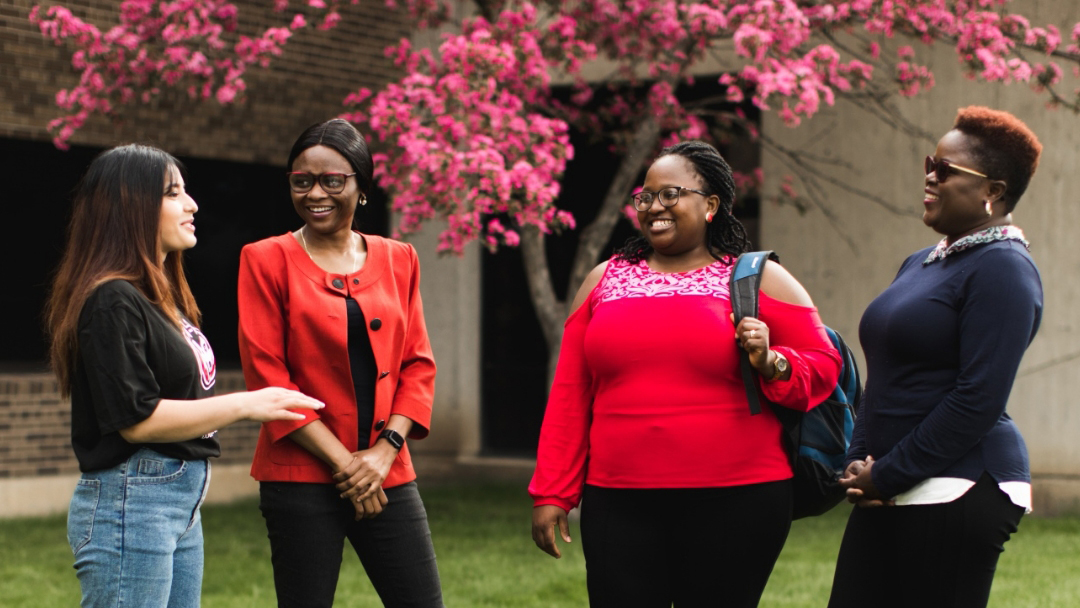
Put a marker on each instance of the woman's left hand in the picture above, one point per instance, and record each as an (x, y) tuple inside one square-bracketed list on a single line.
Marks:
[(861, 490), (371, 506), (363, 477), (753, 336)]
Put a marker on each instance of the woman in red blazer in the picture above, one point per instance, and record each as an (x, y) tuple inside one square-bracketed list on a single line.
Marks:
[(337, 314)]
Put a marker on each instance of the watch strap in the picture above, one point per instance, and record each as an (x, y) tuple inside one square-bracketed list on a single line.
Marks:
[(393, 437)]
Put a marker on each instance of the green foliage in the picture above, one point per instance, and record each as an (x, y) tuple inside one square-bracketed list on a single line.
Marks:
[(487, 558), (36, 564)]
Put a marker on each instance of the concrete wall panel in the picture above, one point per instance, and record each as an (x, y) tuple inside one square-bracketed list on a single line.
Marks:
[(847, 260)]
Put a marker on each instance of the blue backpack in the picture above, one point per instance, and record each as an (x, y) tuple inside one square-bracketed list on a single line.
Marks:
[(817, 441)]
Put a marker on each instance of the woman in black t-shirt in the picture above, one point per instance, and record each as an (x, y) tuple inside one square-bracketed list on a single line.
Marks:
[(126, 347)]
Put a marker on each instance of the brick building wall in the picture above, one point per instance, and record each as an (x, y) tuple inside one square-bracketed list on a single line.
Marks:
[(305, 85), (35, 427)]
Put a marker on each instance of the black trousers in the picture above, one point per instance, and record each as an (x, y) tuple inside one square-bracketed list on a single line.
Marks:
[(307, 525), (941, 555), (687, 547)]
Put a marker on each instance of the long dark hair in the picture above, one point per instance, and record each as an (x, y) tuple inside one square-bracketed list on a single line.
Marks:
[(114, 233), (725, 235), (340, 135)]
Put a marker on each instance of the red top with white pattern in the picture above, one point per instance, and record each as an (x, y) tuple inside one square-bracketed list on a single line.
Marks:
[(648, 393)]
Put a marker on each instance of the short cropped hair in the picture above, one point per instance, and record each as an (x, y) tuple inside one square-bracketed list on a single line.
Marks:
[(1006, 150)]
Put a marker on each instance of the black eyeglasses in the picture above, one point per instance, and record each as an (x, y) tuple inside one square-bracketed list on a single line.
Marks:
[(668, 197), (332, 183), (940, 168)]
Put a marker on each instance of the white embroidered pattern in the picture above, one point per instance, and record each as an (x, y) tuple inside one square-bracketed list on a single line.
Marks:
[(626, 280)]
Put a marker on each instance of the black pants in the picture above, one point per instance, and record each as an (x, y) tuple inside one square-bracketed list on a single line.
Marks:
[(687, 547), (307, 525), (941, 555)]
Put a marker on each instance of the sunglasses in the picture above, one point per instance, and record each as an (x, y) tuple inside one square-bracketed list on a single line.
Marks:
[(941, 168)]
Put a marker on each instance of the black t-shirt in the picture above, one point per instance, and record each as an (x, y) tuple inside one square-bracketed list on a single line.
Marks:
[(129, 357)]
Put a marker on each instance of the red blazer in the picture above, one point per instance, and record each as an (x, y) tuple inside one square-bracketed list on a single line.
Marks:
[(294, 334)]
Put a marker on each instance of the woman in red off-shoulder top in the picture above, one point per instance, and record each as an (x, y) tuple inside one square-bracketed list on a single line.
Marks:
[(686, 497)]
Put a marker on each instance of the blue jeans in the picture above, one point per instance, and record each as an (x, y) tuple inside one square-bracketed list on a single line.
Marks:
[(307, 524), (136, 532)]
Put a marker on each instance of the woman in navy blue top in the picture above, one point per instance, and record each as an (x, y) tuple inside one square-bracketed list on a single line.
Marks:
[(934, 448)]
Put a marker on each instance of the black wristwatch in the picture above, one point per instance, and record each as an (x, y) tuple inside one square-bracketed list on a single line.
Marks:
[(393, 437)]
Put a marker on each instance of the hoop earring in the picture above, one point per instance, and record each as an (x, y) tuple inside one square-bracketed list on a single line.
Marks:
[(362, 201), (989, 209), (708, 217)]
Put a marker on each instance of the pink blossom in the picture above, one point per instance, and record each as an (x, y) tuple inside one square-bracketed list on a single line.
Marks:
[(476, 135), (330, 21)]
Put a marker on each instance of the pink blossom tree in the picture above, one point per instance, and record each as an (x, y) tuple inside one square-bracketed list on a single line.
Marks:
[(474, 133)]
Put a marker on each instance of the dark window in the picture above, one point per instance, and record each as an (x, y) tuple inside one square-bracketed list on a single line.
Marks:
[(238, 203)]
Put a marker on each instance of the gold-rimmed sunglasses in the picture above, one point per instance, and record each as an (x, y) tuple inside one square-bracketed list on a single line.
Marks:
[(940, 168)]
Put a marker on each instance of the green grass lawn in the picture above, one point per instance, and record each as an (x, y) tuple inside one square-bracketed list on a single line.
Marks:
[(487, 558)]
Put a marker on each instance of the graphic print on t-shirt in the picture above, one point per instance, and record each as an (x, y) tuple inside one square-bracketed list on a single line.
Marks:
[(203, 353)]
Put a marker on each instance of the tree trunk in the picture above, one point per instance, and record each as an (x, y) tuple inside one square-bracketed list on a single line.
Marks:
[(550, 310)]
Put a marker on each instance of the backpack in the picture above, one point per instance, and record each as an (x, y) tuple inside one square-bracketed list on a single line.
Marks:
[(817, 441)]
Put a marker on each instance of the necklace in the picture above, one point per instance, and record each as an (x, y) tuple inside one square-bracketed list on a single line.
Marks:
[(303, 242)]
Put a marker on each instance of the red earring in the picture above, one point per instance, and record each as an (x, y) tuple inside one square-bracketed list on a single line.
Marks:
[(708, 217)]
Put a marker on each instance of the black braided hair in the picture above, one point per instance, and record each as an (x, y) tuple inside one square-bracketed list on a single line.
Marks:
[(725, 235)]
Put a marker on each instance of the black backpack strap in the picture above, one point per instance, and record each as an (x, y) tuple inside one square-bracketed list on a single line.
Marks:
[(744, 284)]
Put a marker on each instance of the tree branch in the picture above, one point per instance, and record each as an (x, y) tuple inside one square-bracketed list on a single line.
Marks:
[(595, 235)]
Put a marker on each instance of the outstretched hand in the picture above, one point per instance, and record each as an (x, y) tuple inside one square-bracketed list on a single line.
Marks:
[(275, 403), (545, 519)]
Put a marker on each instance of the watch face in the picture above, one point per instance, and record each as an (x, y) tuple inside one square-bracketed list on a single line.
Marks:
[(780, 367), (781, 364)]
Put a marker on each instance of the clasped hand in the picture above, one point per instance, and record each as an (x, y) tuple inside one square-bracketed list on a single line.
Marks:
[(861, 490), (360, 481), (753, 336)]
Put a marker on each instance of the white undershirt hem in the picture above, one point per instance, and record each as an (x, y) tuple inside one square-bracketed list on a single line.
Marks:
[(938, 490)]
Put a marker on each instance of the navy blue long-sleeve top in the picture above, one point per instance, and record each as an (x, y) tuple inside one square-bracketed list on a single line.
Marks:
[(943, 343)]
